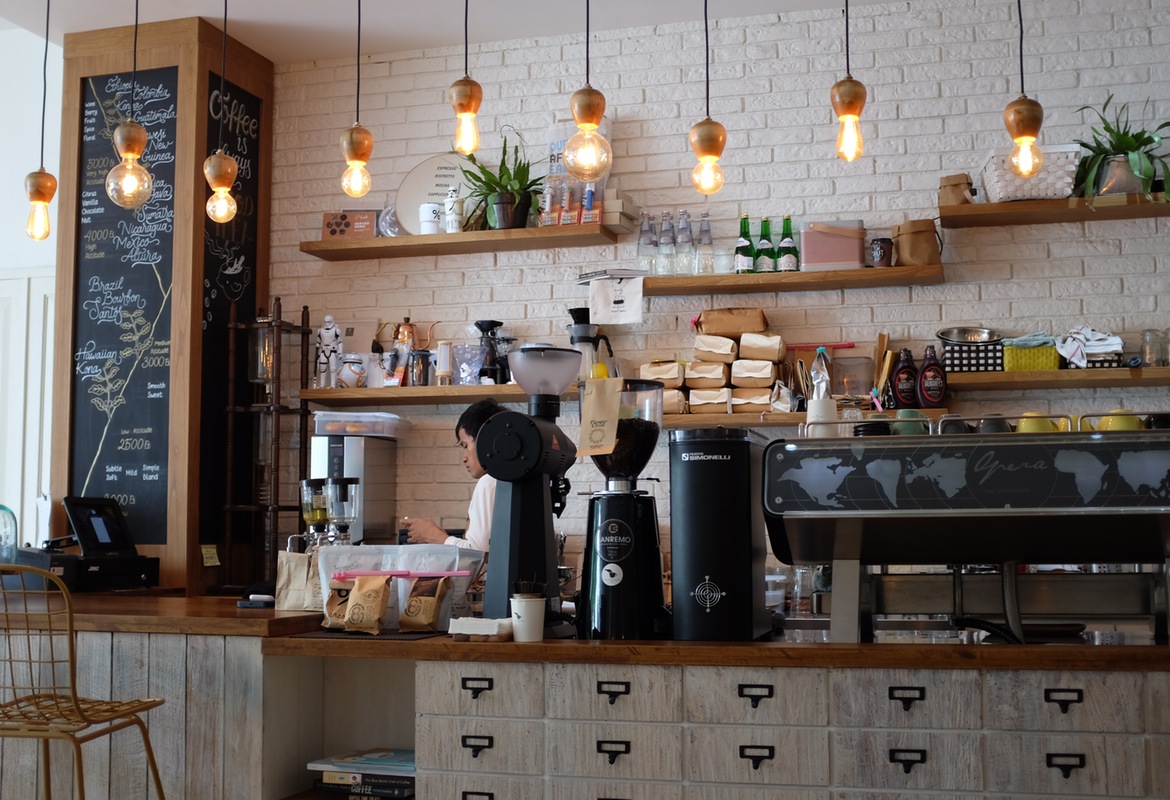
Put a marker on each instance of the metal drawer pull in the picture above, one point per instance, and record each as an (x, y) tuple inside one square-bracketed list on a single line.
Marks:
[(613, 689), (1064, 698), (477, 744), (907, 695), (477, 796), (907, 758), (1065, 762), (756, 692), (611, 749), (757, 754), (477, 686)]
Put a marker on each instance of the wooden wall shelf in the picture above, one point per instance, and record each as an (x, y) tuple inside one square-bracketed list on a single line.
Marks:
[(775, 420), (450, 244), (418, 395), (1043, 212), (1104, 378), (794, 281)]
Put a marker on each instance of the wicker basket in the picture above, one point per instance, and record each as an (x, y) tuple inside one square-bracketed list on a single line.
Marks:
[(1054, 182), (1026, 359)]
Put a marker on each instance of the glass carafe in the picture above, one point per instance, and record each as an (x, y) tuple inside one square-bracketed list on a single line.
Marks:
[(313, 510), (341, 507)]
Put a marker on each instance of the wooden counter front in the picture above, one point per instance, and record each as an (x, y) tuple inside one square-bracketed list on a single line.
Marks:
[(211, 616)]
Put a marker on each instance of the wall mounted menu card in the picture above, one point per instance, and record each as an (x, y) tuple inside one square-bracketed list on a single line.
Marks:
[(122, 309)]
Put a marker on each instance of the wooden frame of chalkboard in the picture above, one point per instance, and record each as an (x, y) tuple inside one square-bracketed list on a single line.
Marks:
[(113, 262)]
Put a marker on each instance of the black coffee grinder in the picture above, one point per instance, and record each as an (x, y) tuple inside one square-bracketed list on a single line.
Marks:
[(621, 576)]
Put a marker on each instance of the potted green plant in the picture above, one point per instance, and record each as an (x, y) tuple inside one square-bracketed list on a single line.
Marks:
[(1121, 145), (503, 198)]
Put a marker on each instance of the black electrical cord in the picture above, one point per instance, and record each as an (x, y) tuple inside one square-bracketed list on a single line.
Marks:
[(707, 52), (134, 69), (45, 82), (586, 42), (1020, 15), (847, 71), (466, 36), (222, 72), (357, 102)]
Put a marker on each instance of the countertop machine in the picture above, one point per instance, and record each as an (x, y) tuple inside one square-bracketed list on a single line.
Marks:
[(1003, 499)]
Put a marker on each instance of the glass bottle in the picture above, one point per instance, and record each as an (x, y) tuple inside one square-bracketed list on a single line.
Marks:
[(931, 386), (684, 245), (647, 245), (666, 253), (705, 249), (788, 254), (745, 252), (905, 380), (765, 250)]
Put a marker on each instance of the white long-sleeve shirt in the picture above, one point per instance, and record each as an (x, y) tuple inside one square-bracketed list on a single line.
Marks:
[(479, 516)]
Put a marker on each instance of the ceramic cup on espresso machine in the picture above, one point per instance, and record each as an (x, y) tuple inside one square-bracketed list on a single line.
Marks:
[(621, 578)]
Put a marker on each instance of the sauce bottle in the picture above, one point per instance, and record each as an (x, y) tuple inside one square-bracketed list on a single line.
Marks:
[(905, 380), (931, 386)]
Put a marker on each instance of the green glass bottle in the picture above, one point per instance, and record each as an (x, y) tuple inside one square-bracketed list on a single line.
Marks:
[(765, 250), (788, 254), (745, 253)]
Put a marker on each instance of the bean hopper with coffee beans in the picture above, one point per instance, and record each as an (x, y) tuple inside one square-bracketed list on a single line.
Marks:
[(621, 578)]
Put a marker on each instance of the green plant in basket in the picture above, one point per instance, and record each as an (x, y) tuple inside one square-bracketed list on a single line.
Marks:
[(1119, 137), (490, 188)]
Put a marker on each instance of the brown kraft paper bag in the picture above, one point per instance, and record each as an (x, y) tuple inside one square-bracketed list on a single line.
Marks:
[(367, 604), (916, 244), (335, 604), (425, 604), (298, 586)]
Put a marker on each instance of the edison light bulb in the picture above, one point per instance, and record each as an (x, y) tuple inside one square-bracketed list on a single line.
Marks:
[(849, 144), (128, 184), (466, 134), (707, 177), (587, 156), (221, 207), (1026, 159), (356, 180), (38, 221), (40, 186)]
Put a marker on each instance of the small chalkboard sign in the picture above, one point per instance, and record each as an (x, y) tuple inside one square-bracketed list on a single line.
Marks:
[(122, 308)]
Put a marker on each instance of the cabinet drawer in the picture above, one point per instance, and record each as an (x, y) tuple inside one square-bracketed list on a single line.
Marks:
[(1094, 765), (896, 796), (694, 792), (613, 692), (479, 745), (458, 786), (949, 762), (1158, 704), (479, 689), (615, 750), (759, 696), (758, 754), (1160, 766), (585, 789), (1039, 700), (906, 698)]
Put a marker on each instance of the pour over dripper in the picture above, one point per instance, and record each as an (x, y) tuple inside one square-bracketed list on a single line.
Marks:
[(586, 340), (639, 425), (491, 356)]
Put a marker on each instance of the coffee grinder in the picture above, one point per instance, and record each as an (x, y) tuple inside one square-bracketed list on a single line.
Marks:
[(529, 455), (621, 576)]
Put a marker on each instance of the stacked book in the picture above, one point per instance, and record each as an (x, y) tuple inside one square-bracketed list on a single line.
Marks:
[(380, 772)]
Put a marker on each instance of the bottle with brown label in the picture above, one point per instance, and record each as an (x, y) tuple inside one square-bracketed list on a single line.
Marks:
[(931, 386), (905, 380)]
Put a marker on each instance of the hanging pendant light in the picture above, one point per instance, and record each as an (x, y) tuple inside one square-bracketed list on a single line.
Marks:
[(357, 143), (1023, 118), (708, 137), (41, 185), (220, 169), (129, 184), (465, 96), (587, 155), (848, 99)]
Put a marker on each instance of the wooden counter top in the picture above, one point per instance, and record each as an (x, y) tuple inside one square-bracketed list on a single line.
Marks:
[(216, 616), (747, 654)]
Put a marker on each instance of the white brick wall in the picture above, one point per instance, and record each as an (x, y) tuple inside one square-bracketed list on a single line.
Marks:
[(939, 73)]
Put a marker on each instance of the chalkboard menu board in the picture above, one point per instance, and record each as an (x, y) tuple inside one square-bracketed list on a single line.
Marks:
[(122, 308), (229, 276)]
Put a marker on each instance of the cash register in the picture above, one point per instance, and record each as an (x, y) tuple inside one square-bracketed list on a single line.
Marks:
[(108, 559)]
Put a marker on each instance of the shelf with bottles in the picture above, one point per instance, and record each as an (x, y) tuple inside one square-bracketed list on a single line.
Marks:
[(1096, 378), (418, 395), (803, 281), (1044, 212), (772, 420)]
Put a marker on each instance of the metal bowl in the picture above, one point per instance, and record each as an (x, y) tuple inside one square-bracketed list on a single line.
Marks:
[(969, 335)]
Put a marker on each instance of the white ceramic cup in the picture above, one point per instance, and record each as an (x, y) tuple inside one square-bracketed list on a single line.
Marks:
[(430, 217), (528, 618)]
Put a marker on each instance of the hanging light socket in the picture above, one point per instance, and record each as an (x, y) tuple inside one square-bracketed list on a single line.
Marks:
[(220, 170), (40, 186), (465, 96), (848, 97), (357, 145), (1023, 118), (708, 138), (129, 184)]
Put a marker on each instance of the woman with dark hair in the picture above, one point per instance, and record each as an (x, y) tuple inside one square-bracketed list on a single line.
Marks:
[(483, 497)]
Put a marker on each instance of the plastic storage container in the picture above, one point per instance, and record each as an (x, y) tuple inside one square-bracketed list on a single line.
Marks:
[(359, 423)]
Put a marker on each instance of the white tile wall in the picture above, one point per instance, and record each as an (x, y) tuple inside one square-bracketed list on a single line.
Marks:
[(939, 73)]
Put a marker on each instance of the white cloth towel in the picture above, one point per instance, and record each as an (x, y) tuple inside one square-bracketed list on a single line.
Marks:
[(1082, 342)]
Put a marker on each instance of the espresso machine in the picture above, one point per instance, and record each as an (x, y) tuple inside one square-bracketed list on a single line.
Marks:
[(621, 577)]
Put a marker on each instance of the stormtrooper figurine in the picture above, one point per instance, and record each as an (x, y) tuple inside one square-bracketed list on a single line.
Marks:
[(329, 348)]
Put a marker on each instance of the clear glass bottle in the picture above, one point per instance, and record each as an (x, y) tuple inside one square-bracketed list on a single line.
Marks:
[(788, 254), (765, 250), (705, 248), (647, 245), (666, 252), (745, 252), (684, 245)]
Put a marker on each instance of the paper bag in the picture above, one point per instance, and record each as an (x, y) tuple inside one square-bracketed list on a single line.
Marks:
[(722, 349), (298, 587), (917, 244), (731, 321), (706, 375)]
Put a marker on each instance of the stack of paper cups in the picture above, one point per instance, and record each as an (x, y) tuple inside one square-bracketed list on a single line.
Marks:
[(821, 410)]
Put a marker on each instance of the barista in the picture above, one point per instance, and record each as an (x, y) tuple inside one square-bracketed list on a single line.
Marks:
[(483, 497)]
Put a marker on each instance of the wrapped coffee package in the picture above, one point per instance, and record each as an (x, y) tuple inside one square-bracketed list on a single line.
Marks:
[(715, 348), (751, 401), (750, 374), (732, 322), (709, 401), (762, 347), (668, 373), (674, 402), (424, 607), (366, 609), (336, 603), (706, 375)]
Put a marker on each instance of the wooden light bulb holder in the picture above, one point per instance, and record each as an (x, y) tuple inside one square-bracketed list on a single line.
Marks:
[(40, 186), (130, 140), (220, 170), (588, 107), (708, 138), (357, 144), (465, 95), (1023, 118), (848, 97)]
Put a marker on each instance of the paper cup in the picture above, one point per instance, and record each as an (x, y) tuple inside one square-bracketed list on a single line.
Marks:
[(528, 618), (430, 216)]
